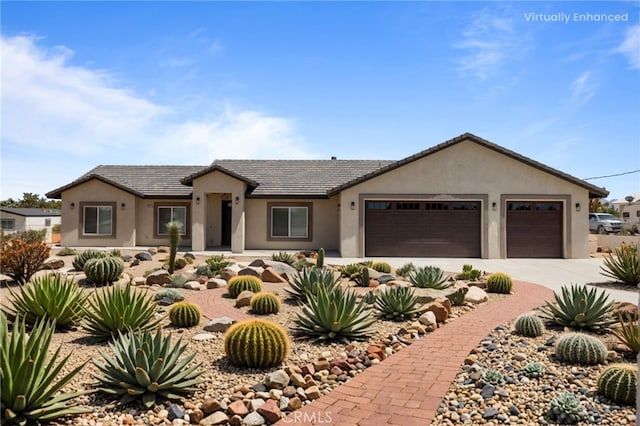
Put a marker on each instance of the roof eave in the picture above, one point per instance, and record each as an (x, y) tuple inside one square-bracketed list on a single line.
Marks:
[(57, 193), (188, 180)]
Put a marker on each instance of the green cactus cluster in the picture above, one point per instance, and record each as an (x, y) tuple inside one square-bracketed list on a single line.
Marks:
[(567, 409), (185, 314), (457, 298), (103, 270), (81, 259), (265, 304), (320, 259), (240, 283), (499, 282), (579, 348), (529, 325), (619, 383), (256, 344), (492, 377), (534, 370), (382, 267)]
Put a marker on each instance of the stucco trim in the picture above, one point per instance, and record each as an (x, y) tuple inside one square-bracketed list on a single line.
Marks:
[(309, 207), (114, 219), (484, 210), (567, 241)]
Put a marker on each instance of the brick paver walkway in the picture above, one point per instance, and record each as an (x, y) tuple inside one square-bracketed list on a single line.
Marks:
[(406, 388), (212, 305)]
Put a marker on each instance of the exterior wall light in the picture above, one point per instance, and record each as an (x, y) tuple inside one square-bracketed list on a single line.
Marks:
[(122, 206), (237, 200), (494, 206), (353, 205), (197, 200), (72, 206), (577, 207)]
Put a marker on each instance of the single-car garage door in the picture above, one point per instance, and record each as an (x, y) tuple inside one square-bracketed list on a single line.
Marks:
[(422, 228), (534, 229)]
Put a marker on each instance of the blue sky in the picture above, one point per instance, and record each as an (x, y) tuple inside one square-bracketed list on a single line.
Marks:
[(88, 83)]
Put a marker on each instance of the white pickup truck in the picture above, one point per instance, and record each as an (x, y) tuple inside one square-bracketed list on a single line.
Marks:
[(604, 223)]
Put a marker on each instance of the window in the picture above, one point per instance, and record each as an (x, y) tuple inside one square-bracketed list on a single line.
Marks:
[(436, 206), (638, 213), (519, 206), (8, 224), (171, 213), (625, 215), (47, 222), (290, 221), (408, 206), (98, 220), (378, 205)]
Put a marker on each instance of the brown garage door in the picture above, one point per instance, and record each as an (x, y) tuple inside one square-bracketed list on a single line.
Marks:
[(422, 228), (534, 229)]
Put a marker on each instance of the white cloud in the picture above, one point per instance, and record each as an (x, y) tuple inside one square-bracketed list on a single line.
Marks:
[(630, 47), (583, 88), (53, 109)]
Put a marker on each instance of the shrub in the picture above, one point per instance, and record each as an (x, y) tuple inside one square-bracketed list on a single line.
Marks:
[(169, 293), (185, 314), (82, 258), (204, 270), (350, 269), (623, 265), (457, 298), (567, 409), (30, 236), (579, 307), (397, 303), (382, 267), (429, 277), (405, 269), (119, 309), (334, 314), (308, 280), (619, 382), (499, 283), (49, 298), (146, 367), (492, 377), (265, 304), (67, 251), (529, 325), (28, 392), (20, 259), (534, 370), (217, 263), (628, 333), (240, 283), (103, 270), (256, 344), (284, 257), (579, 348)]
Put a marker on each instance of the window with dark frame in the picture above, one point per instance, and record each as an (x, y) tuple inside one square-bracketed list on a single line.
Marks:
[(7, 224), (97, 220), (166, 214), (289, 222)]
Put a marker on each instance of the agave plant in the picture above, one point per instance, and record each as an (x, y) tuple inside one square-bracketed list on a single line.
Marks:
[(118, 309), (309, 280), (28, 390), (429, 277), (48, 297), (284, 257), (624, 266), (397, 303), (405, 269), (334, 314), (145, 366), (350, 270), (628, 333), (580, 307)]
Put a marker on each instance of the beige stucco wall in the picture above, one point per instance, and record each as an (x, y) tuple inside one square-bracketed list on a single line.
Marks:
[(325, 220), (145, 222), (470, 169), (98, 191), (217, 182)]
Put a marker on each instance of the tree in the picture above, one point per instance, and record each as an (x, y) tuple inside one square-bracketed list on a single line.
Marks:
[(31, 200)]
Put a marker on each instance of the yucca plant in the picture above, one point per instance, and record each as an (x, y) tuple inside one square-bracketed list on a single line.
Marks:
[(623, 265), (146, 366), (334, 314), (628, 333), (580, 307), (284, 257), (397, 303), (309, 280), (429, 277), (28, 390), (118, 309), (48, 297)]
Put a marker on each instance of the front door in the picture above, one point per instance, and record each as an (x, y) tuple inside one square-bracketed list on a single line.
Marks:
[(226, 223)]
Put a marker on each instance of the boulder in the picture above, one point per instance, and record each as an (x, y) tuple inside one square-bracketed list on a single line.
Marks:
[(53, 263), (229, 272), (164, 249), (254, 272), (134, 262), (193, 285), (244, 298), (159, 277), (189, 255), (438, 310), (138, 281), (279, 379), (269, 275), (428, 319), (476, 295), (446, 303), (428, 295), (385, 278), (216, 283), (220, 324), (143, 256), (281, 268)]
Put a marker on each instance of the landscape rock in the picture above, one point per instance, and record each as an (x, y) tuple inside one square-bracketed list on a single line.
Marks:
[(438, 310), (294, 404), (385, 278), (428, 295), (174, 412), (193, 285), (143, 256), (217, 418), (251, 271), (220, 324), (253, 419), (244, 298), (163, 249), (269, 275), (238, 408), (53, 263), (313, 392), (189, 255), (210, 405), (159, 277), (281, 268), (279, 379), (138, 281), (429, 320), (216, 283), (203, 336), (626, 309), (270, 411), (476, 295), (229, 272)]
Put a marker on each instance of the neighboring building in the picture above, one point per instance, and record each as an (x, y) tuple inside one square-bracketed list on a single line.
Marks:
[(16, 219), (629, 211), (466, 197)]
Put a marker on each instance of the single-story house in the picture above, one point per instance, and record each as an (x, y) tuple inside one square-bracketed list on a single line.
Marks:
[(466, 197), (629, 210), (17, 219)]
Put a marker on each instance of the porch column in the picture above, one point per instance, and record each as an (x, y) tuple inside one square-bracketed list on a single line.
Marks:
[(237, 223), (198, 220)]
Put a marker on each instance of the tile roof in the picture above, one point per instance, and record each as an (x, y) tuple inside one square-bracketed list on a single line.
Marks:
[(31, 212)]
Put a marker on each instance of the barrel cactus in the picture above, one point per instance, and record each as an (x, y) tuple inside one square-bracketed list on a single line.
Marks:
[(567, 409), (499, 283), (619, 382), (81, 259), (240, 283), (382, 267), (256, 344), (581, 349), (185, 314), (529, 325), (103, 270), (265, 304)]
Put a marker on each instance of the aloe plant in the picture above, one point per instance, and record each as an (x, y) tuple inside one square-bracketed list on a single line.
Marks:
[(29, 391), (580, 307), (429, 277), (334, 314), (309, 280), (145, 366), (397, 303), (118, 309), (623, 265), (48, 297)]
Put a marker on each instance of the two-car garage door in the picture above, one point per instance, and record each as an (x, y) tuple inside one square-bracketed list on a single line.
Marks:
[(534, 229)]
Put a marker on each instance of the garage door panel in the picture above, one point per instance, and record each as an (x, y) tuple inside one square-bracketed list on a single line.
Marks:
[(534, 229), (422, 229)]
